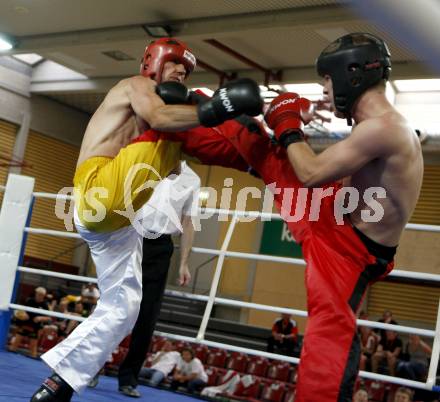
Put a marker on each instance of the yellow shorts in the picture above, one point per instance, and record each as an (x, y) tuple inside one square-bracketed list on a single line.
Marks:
[(104, 185)]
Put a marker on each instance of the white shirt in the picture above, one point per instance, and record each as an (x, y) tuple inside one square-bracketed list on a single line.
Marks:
[(173, 197), (195, 366), (166, 362)]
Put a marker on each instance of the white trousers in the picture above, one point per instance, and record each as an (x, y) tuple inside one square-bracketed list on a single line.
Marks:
[(117, 256)]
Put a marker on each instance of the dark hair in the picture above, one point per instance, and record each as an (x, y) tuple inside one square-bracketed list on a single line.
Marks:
[(189, 350)]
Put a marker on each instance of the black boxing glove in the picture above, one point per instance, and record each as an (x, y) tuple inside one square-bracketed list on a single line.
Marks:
[(237, 97), (173, 93)]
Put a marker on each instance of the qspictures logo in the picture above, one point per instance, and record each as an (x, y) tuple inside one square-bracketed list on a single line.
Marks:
[(295, 204)]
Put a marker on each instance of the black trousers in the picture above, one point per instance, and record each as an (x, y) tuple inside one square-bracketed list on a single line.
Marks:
[(155, 264)]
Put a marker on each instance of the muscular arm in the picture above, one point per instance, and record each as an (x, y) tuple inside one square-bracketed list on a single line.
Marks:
[(365, 143), (137, 94), (186, 243), (151, 108)]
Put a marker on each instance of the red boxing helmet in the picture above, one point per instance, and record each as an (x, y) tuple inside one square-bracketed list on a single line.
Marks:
[(158, 52)]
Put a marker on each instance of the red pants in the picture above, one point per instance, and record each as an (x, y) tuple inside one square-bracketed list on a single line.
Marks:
[(339, 265)]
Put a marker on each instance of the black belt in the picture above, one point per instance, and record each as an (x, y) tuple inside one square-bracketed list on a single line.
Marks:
[(378, 250)]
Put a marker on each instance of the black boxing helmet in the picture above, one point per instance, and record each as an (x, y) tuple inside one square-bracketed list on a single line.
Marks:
[(355, 62)]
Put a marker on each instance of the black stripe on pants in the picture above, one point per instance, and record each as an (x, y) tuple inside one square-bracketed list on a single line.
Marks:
[(369, 274)]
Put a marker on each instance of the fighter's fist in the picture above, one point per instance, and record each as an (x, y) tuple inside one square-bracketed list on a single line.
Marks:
[(173, 93), (287, 115), (237, 97)]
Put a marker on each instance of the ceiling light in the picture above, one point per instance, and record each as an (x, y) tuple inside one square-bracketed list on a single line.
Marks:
[(331, 34), (269, 91), (417, 85), (5, 43), (390, 93), (305, 89), (157, 31), (28, 58), (118, 55)]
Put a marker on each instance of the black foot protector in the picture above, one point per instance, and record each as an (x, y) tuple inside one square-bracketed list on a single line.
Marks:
[(53, 389)]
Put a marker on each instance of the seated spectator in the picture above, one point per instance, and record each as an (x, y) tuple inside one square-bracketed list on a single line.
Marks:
[(51, 300), (403, 395), (189, 372), (284, 336), (89, 297), (29, 324), (417, 353), (361, 395), (78, 310), (387, 318), (368, 346), (389, 349), (162, 365), (61, 323)]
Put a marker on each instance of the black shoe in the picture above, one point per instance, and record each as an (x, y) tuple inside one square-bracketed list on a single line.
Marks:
[(53, 389), (129, 390)]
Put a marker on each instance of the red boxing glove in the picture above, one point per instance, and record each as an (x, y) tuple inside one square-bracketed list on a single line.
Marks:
[(287, 115)]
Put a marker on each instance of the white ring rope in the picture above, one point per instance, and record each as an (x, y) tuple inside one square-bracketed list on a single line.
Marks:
[(53, 274), (55, 233), (238, 303), (49, 313), (239, 214), (294, 360), (251, 256), (211, 299)]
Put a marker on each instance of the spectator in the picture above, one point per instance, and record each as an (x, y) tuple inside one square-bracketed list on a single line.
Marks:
[(361, 395), (284, 336), (89, 297), (387, 318), (29, 324), (78, 310), (61, 323), (189, 372), (418, 353), (162, 365), (389, 349), (403, 395), (51, 300), (368, 346)]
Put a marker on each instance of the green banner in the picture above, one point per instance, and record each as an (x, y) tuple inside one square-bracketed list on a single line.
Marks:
[(277, 240)]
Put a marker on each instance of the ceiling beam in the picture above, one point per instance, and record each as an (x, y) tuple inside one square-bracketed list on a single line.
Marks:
[(407, 70), (191, 29)]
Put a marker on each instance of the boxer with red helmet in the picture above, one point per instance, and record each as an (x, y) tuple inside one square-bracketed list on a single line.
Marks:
[(110, 177), (163, 50)]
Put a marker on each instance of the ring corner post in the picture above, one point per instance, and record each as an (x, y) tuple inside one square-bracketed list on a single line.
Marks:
[(14, 215)]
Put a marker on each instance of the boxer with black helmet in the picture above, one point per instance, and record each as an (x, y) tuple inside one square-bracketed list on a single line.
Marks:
[(355, 63)]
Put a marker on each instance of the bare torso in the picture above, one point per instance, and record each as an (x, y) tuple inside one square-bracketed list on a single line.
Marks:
[(400, 174), (129, 108), (111, 128)]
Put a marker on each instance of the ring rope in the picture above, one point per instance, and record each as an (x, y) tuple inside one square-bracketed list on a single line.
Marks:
[(294, 360), (223, 253), (238, 303)]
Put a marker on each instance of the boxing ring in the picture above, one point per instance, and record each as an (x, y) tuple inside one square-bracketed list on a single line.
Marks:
[(16, 212)]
